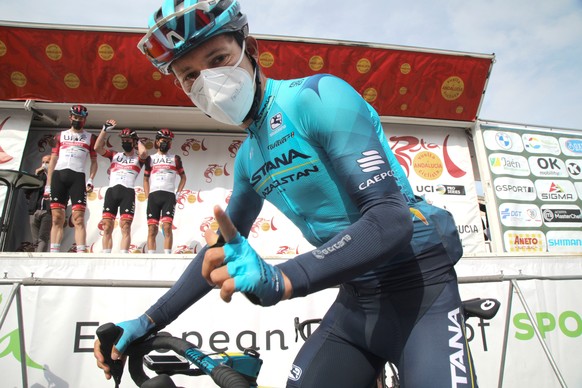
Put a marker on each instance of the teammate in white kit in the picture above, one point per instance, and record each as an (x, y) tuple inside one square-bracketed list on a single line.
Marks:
[(159, 183), (66, 177), (123, 171)]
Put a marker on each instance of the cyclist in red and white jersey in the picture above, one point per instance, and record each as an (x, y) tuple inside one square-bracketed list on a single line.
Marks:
[(66, 177), (123, 171), (159, 183)]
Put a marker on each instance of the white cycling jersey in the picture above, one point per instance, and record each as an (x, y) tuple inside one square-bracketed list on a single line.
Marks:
[(72, 148), (123, 169), (162, 171)]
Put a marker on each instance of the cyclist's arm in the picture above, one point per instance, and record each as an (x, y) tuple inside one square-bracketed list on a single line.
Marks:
[(93, 157), (243, 208), (100, 143), (146, 176), (181, 173), (341, 123)]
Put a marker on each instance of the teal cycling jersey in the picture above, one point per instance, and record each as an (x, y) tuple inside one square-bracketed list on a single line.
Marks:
[(317, 151)]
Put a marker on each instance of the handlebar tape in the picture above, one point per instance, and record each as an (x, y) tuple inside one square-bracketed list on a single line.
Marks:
[(108, 335)]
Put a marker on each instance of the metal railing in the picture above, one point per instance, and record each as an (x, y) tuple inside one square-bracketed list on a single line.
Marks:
[(15, 294)]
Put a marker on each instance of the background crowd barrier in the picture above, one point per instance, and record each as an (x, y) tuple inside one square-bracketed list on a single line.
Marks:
[(60, 301)]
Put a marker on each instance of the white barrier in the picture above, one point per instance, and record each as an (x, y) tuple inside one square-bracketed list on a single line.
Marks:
[(69, 296)]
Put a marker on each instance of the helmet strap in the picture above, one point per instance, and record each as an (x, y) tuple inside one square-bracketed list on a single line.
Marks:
[(257, 98)]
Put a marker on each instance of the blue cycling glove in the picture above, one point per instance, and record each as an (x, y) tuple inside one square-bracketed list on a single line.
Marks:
[(133, 330), (262, 283)]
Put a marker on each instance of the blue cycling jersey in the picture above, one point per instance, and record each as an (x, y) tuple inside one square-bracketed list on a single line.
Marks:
[(317, 151)]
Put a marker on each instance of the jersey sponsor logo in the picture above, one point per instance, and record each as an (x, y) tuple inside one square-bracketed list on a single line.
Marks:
[(564, 241), (508, 164), (321, 253), (371, 161), (547, 167), (456, 344), (514, 188), (276, 121), (295, 373), (522, 241), (556, 190), (540, 144), (281, 141), (76, 137), (517, 214), (562, 216), (571, 147), (280, 161)]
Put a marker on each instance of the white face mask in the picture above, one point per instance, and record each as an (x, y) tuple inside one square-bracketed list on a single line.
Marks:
[(224, 93)]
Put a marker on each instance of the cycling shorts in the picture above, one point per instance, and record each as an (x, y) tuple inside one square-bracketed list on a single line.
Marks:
[(67, 184), (420, 330), (161, 207), (122, 198)]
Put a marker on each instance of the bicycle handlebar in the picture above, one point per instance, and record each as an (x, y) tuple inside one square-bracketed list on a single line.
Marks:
[(223, 375)]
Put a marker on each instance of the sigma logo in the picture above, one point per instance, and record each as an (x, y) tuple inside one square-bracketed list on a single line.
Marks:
[(457, 347), (556, 190), (321, 253), (276, 121), (295, 373), (547, 167), (514, 188)]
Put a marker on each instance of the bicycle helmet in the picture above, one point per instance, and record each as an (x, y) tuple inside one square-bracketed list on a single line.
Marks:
[(126, 132), (164, 133), (181, 25), (78, 110)]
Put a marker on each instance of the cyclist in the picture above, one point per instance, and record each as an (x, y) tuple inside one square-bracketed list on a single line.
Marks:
[(333, 174), (66, 177), (123, 171), (159, 183)]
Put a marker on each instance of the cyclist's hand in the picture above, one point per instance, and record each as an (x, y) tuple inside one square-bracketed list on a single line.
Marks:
[(47, 191), (89, 186), (101, 360), (261, 282), (132, 330), (109, 125)]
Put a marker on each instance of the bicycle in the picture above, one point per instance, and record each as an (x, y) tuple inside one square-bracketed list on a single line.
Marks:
[(227, 370), (484, 309)]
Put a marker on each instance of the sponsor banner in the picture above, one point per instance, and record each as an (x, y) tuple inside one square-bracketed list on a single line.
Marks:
[(564, 216), (64, 358), (547, 167), (574, 167), (556, 190), (536, 143), (505, 164), (503, 141), (571, 146), (524, 241), (546, 173), (438, 164), (565, 242), (514, 189), (521, 215)]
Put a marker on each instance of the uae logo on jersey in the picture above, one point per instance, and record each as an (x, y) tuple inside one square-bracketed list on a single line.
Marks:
[(276, 121)]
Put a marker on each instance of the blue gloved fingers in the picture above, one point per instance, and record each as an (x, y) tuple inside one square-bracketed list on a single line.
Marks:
[(262, 282), (133, 330)]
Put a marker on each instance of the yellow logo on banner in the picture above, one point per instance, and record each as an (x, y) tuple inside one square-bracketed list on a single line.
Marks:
[(427, 165), (72, 80), (3, 49), (525, 242), (452, 88), (405, 68), (316, 63), (54, 52), (370, 95), (106, 52), (156, 75), (18, 79), (266, 59), (363, 66), (119, 81)]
